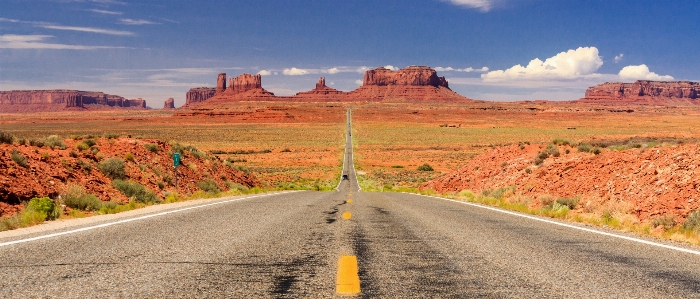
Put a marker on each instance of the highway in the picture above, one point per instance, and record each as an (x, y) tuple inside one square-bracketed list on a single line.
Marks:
[(335, 244)]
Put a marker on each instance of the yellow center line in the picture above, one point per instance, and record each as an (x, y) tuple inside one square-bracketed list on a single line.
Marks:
[(348, 281), (347, 215), (349, 200)]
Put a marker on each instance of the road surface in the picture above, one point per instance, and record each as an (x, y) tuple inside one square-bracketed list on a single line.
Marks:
[(291, 245)]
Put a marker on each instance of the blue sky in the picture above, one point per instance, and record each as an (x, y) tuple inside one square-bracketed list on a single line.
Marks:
[(501, 50)]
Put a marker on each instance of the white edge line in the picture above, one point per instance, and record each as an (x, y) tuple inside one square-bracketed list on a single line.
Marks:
[(568, 225), (133, 219)]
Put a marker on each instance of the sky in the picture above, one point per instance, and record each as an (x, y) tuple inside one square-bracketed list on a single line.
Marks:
[(498, 50)]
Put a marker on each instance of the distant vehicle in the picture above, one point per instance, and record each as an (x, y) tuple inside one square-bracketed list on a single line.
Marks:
[(345, 177)]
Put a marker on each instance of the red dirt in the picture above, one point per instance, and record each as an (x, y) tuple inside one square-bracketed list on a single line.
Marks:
[(656, 181), (50, 171)]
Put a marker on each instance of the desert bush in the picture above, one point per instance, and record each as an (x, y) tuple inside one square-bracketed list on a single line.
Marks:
[(596, 150), (129, 157), (73, 154), (20, 159), (692, 222), (82, 146), (504, 164), (76, 197), (94, 150), (501, 192), (6, 137), (112, 135), (236, 186), (85, 166), (559, 141), (286, 150), (396, 166), (36, 142), (667, 221), (53, 141), (113, 168), (44, 206), (161, 185), (528, 170), (584, 148), (425, 167), (22, 141), (209, 186), (571, 203), (151, 147), (90, 142), (135, 190), (546, 200)]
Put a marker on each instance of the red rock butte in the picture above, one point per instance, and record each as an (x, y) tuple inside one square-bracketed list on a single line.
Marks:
[(644, 92), (56, 100), (411, 84)]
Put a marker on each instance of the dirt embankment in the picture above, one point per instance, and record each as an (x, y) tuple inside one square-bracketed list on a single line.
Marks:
[(656, 181), (28, 171)]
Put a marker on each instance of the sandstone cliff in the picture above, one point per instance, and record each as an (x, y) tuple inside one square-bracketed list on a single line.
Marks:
[(56, 100), (412, 75), (322, 91), (411, 84), (169, 104), (644, 92), (199, 94)]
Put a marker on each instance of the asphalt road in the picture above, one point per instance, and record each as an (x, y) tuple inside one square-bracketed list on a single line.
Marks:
[(289, 245)]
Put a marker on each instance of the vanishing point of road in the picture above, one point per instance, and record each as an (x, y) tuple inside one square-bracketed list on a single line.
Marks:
[(334, 244)]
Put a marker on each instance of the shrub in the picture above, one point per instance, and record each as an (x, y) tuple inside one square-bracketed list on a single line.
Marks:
[(538, 161), (6, 137), (286, 150), (20, 159), (22, 141), (236, 186), (209, 186), (504, 164), (36, 142), (528, 170), (560, 141), (692, 222), (73, 154), (89, 142), (569, 202), (94, 150), (136, 191), (113, 168), (42, 205), (129, 157), (76, 198), (396, 166), (112, 135), (82, 146), (584, 148), (425, 167), (596, 150), (53, 141), (161, 185), (667, 221), (151, 147), (85, 166)]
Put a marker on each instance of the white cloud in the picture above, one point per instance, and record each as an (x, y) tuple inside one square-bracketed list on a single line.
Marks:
[(641, 72), (572, 64), (362, 69), (264, 73), (332, 71), (358, 82), (106, 12), (295, 72), (618, 58), (136, 22), (482, 5), (87, 29), (466, 70), (12, 41), (391, 67)]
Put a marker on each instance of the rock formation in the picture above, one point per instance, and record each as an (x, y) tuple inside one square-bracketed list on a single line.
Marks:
[(199, 94), (169, 104), (412, 75), (56, 100), (412, 84), (322, 90), (644, 92), (221, 82)]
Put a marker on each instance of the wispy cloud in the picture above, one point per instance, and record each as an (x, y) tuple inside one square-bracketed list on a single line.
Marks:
[(69, 28), (12, 41), (136, 22), (295, 72), (618, 58), (465, 70), (482, 5), (88, 29), (106, 12)]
